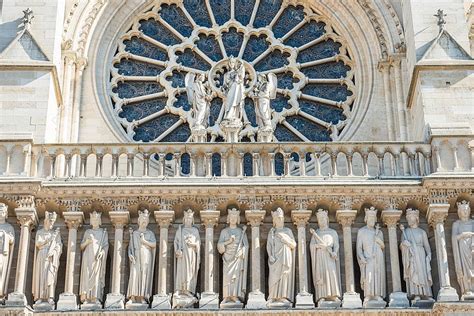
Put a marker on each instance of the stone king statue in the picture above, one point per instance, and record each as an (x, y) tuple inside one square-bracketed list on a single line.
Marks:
[(48, 249), (281, 246), (187, 249), (463, 250), (233, 245), (7, 242), (370, 255)]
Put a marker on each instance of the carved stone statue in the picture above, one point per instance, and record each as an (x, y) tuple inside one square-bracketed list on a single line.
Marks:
[(234, 90), (187, 249), (263, 93), (233, 245), (199, 96), (370, 255), (324, 247), (281, 246), (94, 247), (463, 249), (416, 257), (7, 242), (48, 249), (141, 253)]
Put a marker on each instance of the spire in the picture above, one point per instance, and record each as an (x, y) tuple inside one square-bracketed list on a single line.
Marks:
[(441, 21), (27, 18)]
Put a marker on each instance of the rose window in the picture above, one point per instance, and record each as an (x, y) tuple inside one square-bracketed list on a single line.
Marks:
[(315, 88)]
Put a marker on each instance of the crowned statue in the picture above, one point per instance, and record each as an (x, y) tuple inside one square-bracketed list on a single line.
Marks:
[(234, 91), (187, 249), (7, 242)]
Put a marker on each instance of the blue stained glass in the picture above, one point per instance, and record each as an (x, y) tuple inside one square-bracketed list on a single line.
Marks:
[(332, 70), (275, 59), (267, 10), (250, 111), (335, 92), (221, 10), (191, 59), (307, 33), (182, 102), (136, 68), (176, 18), (290, 17), (179, 135), (157, 31), (151, 130), (311, 130), (286, 80), (283, 134), (256, 45), (143, 48), (127, 90), (232, 42), (216, 165), (322, 50), (185, 164), (214, 111), (280, 103), (197, 9), (279, 164), (243, 10), (248, 165), (324, 112), (210, 46), (295, 157), (177, 79), (140, 110)]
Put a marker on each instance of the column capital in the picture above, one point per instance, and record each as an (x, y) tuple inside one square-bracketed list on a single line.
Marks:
[(210, 218), (255, 217), (27, 216), (301, 217), (164, 218), (437, 213), (73, 219), (346, 217), (119, 218), (391, 217)]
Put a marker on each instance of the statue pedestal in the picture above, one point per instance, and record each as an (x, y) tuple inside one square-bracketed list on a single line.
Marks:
[(351, 300), (423, 303), (231, 130), (265, 135), (199, 134), (162, 302), (231, 305), (209, 301), (43, 307), (399, 300), (91, 306), (374, 303), (304, 301), (279, 304), (447, 294), (67, 302), (16, 300), (468, 297), (323, 304), (256, 300), (114, 301), (136, 306), (183, 301)]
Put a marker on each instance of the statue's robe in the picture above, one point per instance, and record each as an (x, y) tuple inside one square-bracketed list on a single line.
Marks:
[(92, 267), (200, 104), (463, 250), (187, 267), (7, 242), (235, 95)]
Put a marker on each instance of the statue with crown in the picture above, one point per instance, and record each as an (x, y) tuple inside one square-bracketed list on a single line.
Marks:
[(233, 245), (48, 249), (281, 249), (370, 255), (141, 254), (463, 250), (187, 250), (94, 247), (7, 242), (324, 248)]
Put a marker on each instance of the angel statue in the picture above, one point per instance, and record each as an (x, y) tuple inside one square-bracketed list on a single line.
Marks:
[(199, 96), (264, 91), (234, 90)]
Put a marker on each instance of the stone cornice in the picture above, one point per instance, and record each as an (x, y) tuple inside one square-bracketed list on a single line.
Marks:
[(164, 218), (119, 218), (437, 213), (301, 217), (255, 217), (73, 219), (346, 217), (27, 216), (391, 217), (210, 218)]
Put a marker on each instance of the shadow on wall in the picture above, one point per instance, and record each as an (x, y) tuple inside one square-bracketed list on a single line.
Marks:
[(8, 31)]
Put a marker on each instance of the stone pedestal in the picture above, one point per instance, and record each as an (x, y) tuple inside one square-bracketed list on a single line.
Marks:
[(398, 300), (136, 306), (425, 304), (232, 305), (231, 130), (256, 300), (162, 302), (304, 301), (114, 301), (43, 307), (91, 306), (351, 300), (209, 301), (16, 300), (67, 302), (329, 304), (374, 304), (265, 135)]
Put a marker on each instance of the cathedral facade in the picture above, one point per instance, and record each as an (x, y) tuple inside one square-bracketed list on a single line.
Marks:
[(236, 156)]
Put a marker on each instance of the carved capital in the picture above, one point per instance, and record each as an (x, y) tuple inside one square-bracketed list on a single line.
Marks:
[(26, 217), (300, 217), (391, 217), (164, 218), (73, 220), (210, 218), (255, 217), (437, 214), (346, 217), (119, 219), (26, 201)]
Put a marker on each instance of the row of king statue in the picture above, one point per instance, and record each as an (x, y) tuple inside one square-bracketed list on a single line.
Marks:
[(233, 246)]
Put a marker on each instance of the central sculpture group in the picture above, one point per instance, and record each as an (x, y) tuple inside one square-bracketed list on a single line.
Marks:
[(233, 245)]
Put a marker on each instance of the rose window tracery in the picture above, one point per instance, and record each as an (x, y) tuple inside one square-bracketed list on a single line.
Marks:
[(315, 77)]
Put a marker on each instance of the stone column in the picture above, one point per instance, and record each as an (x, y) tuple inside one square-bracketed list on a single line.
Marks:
[(437, 214), (27, 219), (209, 299), (256, 299), (351, 299), (384, 67), (68, 300), (397, 297), (162, 300), (304, 299), (115, 299)]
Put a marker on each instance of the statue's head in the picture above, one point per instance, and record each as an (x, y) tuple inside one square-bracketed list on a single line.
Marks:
[(370, 216), (278, 218), (323, 219), (96, 219), (49, 219), (413, 217), (143, 218), (233, 217), (464, 210), (3, 212), (188, 218), (201, 77)]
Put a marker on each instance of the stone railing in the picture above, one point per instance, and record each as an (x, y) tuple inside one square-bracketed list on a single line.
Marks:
[(376, 160)]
